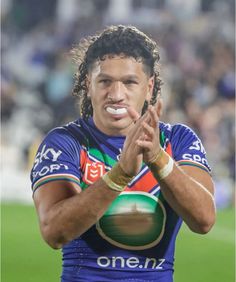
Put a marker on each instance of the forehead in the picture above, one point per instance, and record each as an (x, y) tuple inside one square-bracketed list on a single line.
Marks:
[(117, 64)]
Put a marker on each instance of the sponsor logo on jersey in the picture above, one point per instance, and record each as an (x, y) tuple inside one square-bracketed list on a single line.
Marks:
[(93, 171), (49, 169), (46, 154), (130, 262)]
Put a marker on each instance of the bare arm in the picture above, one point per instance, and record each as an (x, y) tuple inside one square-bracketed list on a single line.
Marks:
[(188, 190), (65, 212)]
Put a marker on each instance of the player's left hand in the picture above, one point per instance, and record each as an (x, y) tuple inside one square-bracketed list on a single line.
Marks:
[(149, 141)]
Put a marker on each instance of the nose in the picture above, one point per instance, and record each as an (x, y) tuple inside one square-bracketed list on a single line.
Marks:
[(116, 91)]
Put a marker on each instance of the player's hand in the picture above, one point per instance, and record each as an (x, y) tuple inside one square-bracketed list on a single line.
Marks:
[(132, 154), (150, 144)]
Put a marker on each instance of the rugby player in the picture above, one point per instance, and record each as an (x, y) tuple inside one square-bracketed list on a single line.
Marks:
[(113, 187)]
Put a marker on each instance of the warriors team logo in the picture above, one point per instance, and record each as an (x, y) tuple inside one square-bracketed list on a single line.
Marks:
[(93, 171), (134, 221)]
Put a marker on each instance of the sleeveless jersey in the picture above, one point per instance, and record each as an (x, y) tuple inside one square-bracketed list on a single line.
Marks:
[(135, 238)]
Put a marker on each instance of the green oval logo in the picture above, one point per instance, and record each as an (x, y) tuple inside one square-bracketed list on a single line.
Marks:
[(134, 221)]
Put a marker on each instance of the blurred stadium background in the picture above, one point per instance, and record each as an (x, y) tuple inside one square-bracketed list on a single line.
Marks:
[(197, 44)]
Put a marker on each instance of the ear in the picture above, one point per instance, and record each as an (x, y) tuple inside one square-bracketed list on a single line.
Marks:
[(150, 89)]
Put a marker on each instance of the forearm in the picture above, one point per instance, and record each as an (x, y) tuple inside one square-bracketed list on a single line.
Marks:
[(71, 217), (73, 212), (189, 198)]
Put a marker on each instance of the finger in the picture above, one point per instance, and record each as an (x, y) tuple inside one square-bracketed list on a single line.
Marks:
[(144, 144), (148, 130), (134, 134), (153, 117), (139, 127), (134, 115)]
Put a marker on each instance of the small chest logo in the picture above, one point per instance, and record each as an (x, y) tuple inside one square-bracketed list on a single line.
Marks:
[(93, 171)]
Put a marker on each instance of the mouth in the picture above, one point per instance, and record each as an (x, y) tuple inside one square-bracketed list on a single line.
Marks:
[(116, 111)]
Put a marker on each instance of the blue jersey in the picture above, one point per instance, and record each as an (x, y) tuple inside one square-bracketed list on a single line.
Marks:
[(135, 238)]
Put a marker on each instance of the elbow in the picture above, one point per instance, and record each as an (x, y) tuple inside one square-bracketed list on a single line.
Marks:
[(53, 244), (54, 241), (208, 222), (205, 228), (204, 225)]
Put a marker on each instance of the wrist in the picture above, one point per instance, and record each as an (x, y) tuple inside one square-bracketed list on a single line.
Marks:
[(117, 179), (159, 159), (162, 165)]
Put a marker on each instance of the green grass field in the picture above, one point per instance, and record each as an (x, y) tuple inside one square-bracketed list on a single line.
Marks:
[(26, 258)]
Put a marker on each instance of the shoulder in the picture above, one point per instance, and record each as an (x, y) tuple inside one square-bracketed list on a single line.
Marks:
[(72, 132), (60, 142), (186, 146), (177, 130), (178, 134)]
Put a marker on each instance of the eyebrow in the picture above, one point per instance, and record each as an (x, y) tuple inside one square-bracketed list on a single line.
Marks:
[(128, 76)]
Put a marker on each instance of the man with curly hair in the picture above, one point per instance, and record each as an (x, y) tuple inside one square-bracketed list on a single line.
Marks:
[(113, 187)]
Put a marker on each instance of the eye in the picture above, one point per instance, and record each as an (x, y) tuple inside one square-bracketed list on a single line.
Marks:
[(130, 82), (105, 81)]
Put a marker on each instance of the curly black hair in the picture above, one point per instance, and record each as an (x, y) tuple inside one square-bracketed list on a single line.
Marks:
[(114, 40)]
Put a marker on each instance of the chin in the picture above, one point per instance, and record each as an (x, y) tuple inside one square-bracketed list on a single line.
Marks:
[(119, 126), (113, 125)]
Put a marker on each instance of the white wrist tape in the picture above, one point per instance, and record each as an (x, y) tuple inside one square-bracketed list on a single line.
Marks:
[(166, 170)]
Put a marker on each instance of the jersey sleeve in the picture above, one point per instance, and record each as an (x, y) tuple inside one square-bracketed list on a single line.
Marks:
[(188, 148), (57, 158)]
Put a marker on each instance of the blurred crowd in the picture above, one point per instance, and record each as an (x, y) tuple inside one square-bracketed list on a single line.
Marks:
[(197, 62)]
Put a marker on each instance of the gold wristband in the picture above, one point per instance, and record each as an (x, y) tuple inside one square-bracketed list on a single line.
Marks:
[(159, 155), (116, 178), (161, 160), (162, 166)]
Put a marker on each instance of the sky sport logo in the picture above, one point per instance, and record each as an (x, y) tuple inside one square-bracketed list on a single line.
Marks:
[(131, 262)]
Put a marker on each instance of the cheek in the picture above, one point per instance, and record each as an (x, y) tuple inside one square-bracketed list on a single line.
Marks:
[(97, 97), (143, 96), (91, 91)]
